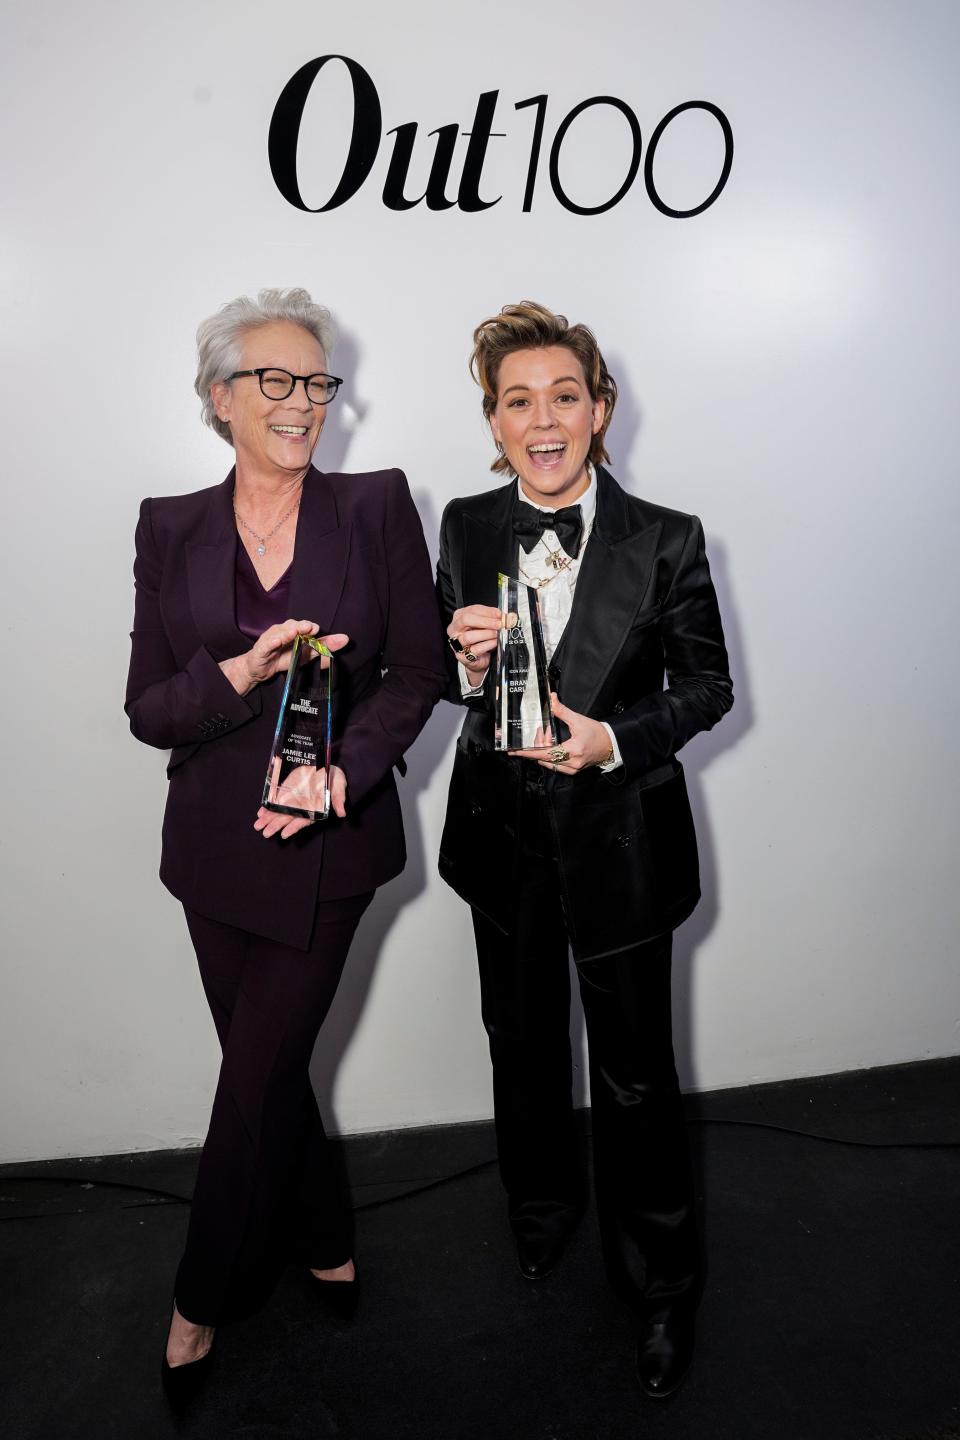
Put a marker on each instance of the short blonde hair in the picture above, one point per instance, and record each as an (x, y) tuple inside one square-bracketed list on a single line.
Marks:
[(529, 326)]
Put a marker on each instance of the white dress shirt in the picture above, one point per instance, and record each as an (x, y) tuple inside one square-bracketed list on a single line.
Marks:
[(554, 587)]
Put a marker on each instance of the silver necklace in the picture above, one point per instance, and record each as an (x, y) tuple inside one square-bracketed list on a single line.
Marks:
[(262, 546)]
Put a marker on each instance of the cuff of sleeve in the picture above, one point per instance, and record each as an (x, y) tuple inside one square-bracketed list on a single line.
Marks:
[(467, 688), (210, 680), (616, 759)]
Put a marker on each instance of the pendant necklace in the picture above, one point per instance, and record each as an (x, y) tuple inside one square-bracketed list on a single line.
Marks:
[(537, 584), (557, 559), (262, 539)]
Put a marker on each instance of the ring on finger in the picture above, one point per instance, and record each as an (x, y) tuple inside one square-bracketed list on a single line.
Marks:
[(455, 644), (469, 656), (559, 756)]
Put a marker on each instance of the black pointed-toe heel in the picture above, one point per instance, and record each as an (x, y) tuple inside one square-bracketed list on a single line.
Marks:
[(181, 1383), (339, 1298)]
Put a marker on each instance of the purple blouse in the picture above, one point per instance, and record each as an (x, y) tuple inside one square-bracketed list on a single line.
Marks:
[(257, 609)]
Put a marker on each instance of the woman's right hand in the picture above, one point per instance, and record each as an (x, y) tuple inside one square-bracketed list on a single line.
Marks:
[(476, 628), (270, 654)]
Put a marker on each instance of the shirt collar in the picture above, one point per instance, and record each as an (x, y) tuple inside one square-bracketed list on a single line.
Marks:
[(587, 501)]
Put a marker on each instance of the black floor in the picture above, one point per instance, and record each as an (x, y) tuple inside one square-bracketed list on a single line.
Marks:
[(832, 1309)]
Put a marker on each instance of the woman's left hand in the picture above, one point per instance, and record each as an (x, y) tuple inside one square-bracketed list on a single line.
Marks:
[(269, 823), (589, 743)]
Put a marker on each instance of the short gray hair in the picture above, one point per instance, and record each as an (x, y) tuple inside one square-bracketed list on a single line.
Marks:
[(219, 339)]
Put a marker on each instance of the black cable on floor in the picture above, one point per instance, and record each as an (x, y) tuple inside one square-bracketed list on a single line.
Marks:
[(167, 1197), (829, 1139), (694, 1120), (430, 1185)]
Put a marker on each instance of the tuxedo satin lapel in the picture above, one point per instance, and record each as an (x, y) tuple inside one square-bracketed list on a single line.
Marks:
[(320, 555), (211, 576), (489, 549), (613, 579)]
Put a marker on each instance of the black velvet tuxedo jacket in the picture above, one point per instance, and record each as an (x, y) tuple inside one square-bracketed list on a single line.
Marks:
[(361, 567), (644, 607)]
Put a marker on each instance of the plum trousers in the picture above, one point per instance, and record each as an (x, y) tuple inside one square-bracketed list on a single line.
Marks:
[(266, 1193)]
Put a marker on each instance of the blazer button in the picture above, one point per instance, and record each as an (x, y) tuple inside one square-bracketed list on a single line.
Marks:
[(474, 810), (624, 840), (618, 708)]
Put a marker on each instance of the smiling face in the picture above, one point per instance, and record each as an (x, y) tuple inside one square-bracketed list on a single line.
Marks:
[(273, 436), (545, 420)]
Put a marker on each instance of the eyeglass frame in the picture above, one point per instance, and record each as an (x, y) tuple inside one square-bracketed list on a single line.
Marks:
[(278, 369)]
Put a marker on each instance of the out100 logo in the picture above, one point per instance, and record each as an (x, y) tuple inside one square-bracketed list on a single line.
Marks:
[(367, 133)]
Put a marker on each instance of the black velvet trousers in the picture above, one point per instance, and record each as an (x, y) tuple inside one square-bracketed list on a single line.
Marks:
[(642, 1173), (265, 1193)]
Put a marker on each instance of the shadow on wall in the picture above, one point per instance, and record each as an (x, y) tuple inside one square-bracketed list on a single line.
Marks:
[(347, 411), (696, 757), (627, 420), (623, 435), (423, 759)]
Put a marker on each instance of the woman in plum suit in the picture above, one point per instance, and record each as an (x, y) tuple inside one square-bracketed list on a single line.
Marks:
[(226, 578)]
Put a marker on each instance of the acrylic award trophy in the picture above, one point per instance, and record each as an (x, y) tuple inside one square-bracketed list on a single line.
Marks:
[(523, 718), (299, 767)]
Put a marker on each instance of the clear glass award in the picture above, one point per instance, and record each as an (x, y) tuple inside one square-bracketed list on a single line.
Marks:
[(299, 766), (523, 718)]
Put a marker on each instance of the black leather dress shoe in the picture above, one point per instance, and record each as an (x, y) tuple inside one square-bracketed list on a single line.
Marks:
[(665, 1351), (537, 1255)]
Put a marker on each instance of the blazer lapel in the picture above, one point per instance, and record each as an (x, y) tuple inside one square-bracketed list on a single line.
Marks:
[(320, 555), (211, 576), (489, 548), (614, 577)]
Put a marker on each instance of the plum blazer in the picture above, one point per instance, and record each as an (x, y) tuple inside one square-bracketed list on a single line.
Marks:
[(360, 566), (644, 609)]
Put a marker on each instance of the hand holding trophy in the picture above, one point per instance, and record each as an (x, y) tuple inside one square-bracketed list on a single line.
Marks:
[(523, 719), (300, 781)]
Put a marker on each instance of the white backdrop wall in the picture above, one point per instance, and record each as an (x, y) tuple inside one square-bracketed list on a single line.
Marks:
[(787, 363)]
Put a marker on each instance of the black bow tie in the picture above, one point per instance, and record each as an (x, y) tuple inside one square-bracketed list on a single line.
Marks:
[(529, 524)]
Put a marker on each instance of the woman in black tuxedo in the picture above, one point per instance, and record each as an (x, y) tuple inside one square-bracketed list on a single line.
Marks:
[(589, 845), (272, 902)]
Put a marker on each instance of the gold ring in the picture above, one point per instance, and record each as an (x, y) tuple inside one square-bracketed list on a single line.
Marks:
[(469, 656), (559, 756)]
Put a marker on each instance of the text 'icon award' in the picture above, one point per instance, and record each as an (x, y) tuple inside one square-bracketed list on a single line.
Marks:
[(523, 719)]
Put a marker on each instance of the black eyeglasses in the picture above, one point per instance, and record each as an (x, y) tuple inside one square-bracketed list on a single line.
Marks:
[(278, 384)]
